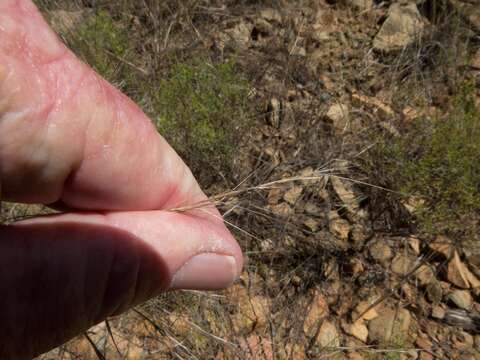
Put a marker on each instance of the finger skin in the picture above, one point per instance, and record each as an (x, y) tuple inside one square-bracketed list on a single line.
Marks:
[(65, 273), (67, 135)]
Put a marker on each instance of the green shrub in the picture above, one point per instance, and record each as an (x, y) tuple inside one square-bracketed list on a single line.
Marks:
[(202, 109), (105, 45), (437, 162)]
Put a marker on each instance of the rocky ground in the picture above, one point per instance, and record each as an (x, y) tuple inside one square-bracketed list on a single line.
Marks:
[(331, 271)]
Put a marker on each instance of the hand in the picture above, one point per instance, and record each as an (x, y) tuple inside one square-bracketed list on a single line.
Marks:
[(69, 138)]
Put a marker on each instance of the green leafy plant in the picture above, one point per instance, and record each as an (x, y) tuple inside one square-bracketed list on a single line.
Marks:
[(202, 109), (436, 161)]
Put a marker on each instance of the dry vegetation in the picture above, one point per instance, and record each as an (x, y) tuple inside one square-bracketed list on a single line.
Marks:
[(365, 244)]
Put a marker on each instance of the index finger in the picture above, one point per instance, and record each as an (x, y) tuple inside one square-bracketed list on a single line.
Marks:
[(68, 135)]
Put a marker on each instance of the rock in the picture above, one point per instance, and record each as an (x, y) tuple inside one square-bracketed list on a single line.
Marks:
[(443, 246), (424, 275), (358, 235), (361, 4), (383, 110), (271, 15), (338, 226), (425, 356), (438, 312), (461, 298), (434, 292), (458, 273), (313, 210), (476, 61), (252, 310), (274, 196), (344, 191), (474, 264), (381, 252), (240, 34), (462, 340), (317, 311), (355, 356), (403, 26), (391, 324), (338, 115), (320, 37), (402, 264), (414, 244), (293, 194), (328, 335), (283, 209), (361, 308), (358, 330), (423, 343), (354, 267), (257, 345), (413, 203), (312, 224)]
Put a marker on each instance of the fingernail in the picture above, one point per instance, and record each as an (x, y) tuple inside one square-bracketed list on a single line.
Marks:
[(206, 271)]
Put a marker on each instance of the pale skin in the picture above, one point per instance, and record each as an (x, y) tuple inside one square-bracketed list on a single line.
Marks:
[(69, 138)]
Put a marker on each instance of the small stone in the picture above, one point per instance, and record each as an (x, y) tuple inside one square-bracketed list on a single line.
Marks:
[(328, 335), (338, 115), (391, 324), (282, 209), (476, 61), (414, 244), (358, 330), (240, 34), (344, 191), (317, 311), (271, 15), (361, 308), (402, 27), (457, 273), (320, 36), (292, 195), (462, 340), (434, 292), (354, 266), (338, 226), (438, 312), (381, 252), (461, 298), (442, 245), (358, 235), (361, 4), (425, 356), (402, 264), (313, 210), (413, 204), (383, 110), (410, 114), (312, 224), (355, 356), (423, 344), (424, 275)]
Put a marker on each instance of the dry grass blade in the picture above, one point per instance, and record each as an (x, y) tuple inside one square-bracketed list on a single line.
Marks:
[(98, 353), (109, 330)]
